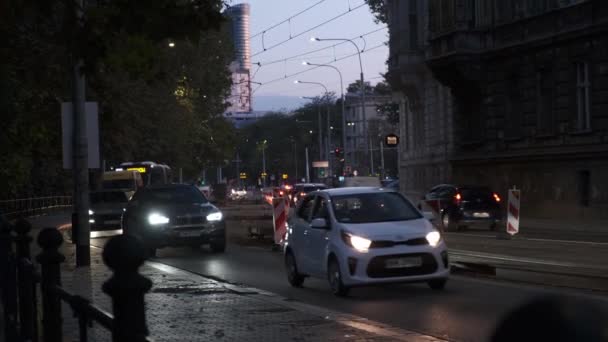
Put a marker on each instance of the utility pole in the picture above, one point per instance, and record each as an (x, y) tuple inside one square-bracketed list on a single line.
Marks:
[(80, 163), (307, 167), (383, 171), (319, 133), (371, 156), (238, 170), (328, 149), (264, 163)]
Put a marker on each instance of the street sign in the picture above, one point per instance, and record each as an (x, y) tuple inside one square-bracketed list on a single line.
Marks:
[(284, 176), (67, 125), (320, 164), (391, 140), (243, 175), (513, 211), (264, 175)]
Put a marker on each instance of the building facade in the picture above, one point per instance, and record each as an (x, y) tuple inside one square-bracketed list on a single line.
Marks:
[(425, 104), (528, 85), (240, 93)]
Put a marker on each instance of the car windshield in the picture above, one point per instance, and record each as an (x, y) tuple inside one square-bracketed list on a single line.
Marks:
[(373, 207), (108, 197), (173, 195)]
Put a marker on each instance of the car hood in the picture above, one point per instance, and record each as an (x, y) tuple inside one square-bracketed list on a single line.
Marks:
[(180, 209), (108, 207), (391, 231)]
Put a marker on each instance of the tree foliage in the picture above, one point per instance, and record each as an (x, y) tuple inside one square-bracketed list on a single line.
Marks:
[(379, 9), (156, 102)]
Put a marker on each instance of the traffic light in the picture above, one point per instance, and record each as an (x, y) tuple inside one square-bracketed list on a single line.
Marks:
[(339, 154)]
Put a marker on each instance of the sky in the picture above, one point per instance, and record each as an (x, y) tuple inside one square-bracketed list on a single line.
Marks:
[(280, 92)]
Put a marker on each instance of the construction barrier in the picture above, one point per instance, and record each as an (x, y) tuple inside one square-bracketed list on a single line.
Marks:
[(280, 211), (513, 212)]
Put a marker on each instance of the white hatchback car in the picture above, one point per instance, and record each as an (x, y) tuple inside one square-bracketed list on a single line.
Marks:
[(363, 236)]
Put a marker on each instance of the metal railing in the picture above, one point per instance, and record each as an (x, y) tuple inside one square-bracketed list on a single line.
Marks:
[(25, 207), (20, 281)]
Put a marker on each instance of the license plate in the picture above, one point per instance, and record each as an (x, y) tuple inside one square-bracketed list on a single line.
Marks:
[(481, 215), (190, 233), (403, 262)]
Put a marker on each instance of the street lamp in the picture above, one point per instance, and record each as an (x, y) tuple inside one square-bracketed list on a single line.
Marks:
[(343, 110), (365, 142), (320, 125), (171, 44)]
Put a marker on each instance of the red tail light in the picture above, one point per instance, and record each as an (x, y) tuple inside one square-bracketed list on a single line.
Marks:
[(496, 197), (302, 194), (281, 193), (458, 197)]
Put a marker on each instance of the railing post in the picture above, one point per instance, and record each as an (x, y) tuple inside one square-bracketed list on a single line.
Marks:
[(124, 254), (50, 260), (25, 278), (8, 278)]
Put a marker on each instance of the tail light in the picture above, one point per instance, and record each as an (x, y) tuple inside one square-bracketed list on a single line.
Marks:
[(457, 198), (496, 197), (281, 193), (302, 194)]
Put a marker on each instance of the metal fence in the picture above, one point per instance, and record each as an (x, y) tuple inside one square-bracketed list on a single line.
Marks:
[(24, 207)]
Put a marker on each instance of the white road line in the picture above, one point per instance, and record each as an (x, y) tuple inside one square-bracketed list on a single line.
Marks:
[(535, 239), (516, 259)]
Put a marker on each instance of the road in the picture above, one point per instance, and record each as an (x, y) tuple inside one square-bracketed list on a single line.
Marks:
[(467, 310)]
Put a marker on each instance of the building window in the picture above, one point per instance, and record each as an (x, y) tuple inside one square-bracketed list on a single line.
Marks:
[(583, 101), (545, 91)]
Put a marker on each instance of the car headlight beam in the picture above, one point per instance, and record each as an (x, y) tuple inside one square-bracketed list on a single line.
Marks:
[(359, 243), (156, 219), (91, 212), (216, 216), (433, 238)]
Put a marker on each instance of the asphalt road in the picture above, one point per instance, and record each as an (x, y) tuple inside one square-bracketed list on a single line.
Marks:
[(467, 310)]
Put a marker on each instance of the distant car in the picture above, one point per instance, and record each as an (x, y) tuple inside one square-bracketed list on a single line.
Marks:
[(363, 236), (106, 208), (459, 206), (393, 185), (302, 189), (174, 215)]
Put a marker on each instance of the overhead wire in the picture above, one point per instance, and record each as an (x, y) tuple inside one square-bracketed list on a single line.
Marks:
[(288, 19), (265, 49), (317, 50), (316, 67)]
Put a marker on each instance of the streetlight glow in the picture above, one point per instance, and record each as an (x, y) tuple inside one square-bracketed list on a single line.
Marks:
[(296, 81), (171, 44), (314, 39), (305, 63)]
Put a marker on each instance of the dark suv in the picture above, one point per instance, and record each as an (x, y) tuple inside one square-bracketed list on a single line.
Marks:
[(462, 206)]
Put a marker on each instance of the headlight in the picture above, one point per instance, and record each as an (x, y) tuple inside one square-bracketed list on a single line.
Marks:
[(433, 238), (156, 219), (91, 212), (217, 216), (359, 243)]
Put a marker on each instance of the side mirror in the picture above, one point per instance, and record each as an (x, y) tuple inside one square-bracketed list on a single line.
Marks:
[(319, 223)]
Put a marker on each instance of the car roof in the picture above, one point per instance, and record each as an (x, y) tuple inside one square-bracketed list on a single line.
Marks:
[(355, 190)]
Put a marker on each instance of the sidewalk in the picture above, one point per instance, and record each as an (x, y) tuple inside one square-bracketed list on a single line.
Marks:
[(183, 306)]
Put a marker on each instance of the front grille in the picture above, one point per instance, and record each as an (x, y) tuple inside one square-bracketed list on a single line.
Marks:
[(377, 266), (387, 243), (107, 217), (187, 220)]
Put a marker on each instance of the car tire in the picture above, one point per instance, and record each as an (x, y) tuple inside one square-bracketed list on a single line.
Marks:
[(437, 284), (294, 277), (218, 246), (334, 277)]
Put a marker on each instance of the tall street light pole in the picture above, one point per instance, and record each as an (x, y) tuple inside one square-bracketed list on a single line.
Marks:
[(343, 108), (320, 125), (316, 39)]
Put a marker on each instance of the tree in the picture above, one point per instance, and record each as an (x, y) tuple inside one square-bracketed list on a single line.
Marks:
[(378, 8), (355, 87)]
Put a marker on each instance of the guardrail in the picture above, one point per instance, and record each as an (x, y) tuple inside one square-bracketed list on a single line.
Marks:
[(20, 282), (24, 207)]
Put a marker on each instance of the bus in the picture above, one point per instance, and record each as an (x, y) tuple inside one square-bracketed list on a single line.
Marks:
[(152, 173)]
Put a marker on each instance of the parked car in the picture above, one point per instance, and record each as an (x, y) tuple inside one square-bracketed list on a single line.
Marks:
[(106, 208), (363, 236), (459, 206), (174, 215)]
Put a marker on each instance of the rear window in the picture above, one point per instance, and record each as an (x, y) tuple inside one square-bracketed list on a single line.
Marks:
[(108, 197), (469, 194)]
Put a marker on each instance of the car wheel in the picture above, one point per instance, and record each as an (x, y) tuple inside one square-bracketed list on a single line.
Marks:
[(293, 276), (437, 284), (334, 276), (218, 246)]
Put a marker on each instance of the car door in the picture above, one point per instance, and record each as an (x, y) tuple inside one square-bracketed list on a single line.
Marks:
[(301, 227), (318, 238)]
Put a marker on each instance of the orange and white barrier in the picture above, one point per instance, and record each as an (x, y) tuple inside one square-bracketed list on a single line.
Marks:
[(280, 212), (513, 212)]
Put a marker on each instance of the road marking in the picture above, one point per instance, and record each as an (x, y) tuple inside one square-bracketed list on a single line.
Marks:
[(519, 259), (532, 239)]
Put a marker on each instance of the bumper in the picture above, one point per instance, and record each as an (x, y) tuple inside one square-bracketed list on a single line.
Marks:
[(185, 235), (105, 222), (370, 268)]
